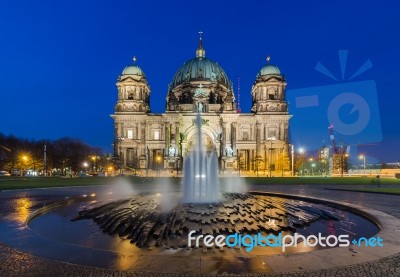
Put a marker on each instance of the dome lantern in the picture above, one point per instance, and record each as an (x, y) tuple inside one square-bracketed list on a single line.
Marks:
[(200, 52)]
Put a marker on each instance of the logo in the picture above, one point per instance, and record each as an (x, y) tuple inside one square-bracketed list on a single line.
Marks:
[(250, 241), (350, 107)]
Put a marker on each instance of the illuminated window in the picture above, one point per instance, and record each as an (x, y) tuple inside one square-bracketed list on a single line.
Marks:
[(271, 133), (130, 134), (156, 135)]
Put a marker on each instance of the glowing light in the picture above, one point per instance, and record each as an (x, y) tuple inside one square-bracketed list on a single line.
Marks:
[(200, 176), (93, 195), (22, 209)]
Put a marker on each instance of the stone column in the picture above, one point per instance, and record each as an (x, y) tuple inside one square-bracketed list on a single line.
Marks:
[(120, 129), (223, 140), (143, 133), (172, 134), (167, 137), (124, 155), (177, 139), (258, 140)]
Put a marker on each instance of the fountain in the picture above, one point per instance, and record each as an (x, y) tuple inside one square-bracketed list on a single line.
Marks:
[(158, 220), (200, 181), (205, 209)]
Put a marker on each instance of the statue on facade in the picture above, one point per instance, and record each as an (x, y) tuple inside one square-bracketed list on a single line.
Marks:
[(171, 151), (228, 151), (200, 107)]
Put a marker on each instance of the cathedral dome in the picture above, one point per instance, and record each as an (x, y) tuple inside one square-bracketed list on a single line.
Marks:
[(133, 69), (200, 84), (200, 69)]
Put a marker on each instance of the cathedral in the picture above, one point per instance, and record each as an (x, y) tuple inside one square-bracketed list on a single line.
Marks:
[(254, 142)]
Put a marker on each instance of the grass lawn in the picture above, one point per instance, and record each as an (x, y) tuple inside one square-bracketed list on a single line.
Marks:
[(320, 181), (8, 183), (374, 190)]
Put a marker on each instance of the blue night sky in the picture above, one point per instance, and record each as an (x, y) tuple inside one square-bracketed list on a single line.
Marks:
[(59, 60)]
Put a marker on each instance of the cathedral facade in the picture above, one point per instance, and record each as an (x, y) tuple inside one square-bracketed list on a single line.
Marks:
[(256, 141)]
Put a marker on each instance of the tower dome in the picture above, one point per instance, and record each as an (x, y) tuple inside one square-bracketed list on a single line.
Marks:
[(133, 69), (269, 69), (268, 91)]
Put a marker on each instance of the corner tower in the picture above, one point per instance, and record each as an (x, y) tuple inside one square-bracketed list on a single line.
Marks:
[(133, 91), (268, 91), (131, 111)]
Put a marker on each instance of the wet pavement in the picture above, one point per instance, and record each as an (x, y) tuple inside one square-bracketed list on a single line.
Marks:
[(16, 206)]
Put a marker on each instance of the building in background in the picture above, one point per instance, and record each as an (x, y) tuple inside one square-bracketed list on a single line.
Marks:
[(256, 141)]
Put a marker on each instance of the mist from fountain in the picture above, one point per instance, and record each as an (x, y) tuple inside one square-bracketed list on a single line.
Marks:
[(200, 177)]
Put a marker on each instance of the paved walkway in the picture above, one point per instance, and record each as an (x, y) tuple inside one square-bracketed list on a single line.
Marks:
[(17, 263)]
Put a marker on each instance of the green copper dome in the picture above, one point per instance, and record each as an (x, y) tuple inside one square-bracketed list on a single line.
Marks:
[(133, 69), (269, 69), (200, 69)]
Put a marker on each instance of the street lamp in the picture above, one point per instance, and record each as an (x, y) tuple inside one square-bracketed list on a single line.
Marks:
[(312, 168), (265, 157), (363, 158), (158, 165), (292, 152), (238, 158), (94, 158), (271, 139), (302, 152), (147, 161), (24, 159), (120, 140)]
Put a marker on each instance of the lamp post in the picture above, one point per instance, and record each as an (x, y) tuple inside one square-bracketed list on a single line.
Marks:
[(312, 168), (302, 153), (292, 152), (147, 161), (311, 165), (363, 158), (238, 158), (120, 140), (24, 159), (158, 165), (265, 157), (93, 158), (282, 158), (85, 166), (271, 139)]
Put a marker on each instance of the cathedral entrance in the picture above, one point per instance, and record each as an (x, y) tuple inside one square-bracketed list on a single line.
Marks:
[(244, 159), (207, 143)]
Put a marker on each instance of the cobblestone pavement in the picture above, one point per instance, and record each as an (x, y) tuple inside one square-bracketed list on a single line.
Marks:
[(16, 263)]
